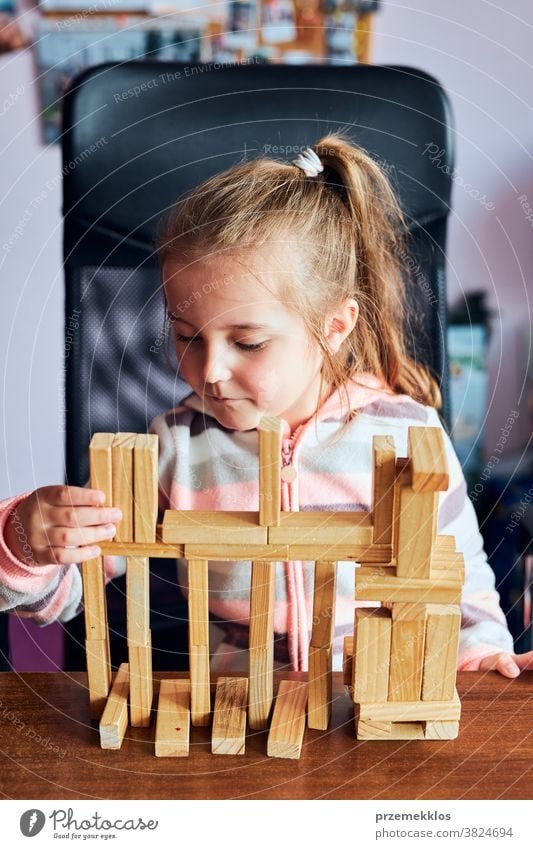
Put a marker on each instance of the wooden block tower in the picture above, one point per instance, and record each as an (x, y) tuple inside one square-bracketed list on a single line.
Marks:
[(400, 664)]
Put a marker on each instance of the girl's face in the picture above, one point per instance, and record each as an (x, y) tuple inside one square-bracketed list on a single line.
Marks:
[(240, 348)]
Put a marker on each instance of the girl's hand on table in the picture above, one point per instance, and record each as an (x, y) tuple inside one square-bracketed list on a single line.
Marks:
[(60, 524), (510, 665)]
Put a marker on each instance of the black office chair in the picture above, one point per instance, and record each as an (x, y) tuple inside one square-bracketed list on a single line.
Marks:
[(135, 137)]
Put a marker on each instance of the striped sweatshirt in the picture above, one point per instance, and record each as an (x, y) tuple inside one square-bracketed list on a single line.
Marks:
[(205, 466)]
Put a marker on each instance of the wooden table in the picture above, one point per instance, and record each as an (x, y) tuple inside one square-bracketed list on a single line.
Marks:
[(50, 750)]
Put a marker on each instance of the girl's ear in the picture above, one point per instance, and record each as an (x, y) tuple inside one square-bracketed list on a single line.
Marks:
[(340, 324)]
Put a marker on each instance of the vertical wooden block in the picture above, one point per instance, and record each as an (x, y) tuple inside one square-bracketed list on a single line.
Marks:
[(429, 463), (384, 475), (324, 597), (371, 654), (319, 687), (347, 662), (145, 486), (98, 674), (407, 651), (94, 599), (173, 719), (198, 602), (200, 685), (122, 451), (141, 684), (261, 653), (288, 721), (417, 532), (229, 717), (138, 599), (270, 436), (441, 649), (101, 466), (114, 719)]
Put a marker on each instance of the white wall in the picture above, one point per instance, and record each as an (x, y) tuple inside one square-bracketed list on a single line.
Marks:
[(480, 53)]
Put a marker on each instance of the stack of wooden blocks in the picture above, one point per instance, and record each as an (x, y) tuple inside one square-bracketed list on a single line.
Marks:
[(398, 671)]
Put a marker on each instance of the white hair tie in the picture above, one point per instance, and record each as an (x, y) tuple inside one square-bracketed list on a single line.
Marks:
[(309, 162)]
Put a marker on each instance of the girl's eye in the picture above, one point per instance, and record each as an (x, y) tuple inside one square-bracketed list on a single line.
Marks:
[(258, 347)]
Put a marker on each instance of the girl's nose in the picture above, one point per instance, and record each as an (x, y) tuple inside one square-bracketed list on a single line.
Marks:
[(216, 366)]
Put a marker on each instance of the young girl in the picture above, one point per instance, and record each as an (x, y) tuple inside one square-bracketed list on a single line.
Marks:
[(284, 290)]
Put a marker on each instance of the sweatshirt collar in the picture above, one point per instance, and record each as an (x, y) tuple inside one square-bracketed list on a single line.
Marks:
[(362, 390)]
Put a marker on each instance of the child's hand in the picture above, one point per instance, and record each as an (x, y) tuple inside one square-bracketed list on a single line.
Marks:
[(59, 524), (510, 665)]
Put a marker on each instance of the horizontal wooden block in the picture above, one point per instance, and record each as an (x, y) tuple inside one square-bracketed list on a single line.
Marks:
[(381, 585), (173, 719), (100, 461), (200, 685), (319, 680), (322, 528), (429, 463), (141, 684), (213, 527), (114, 719), (441, 730), (236, 552), (371, 654), (363, 553), (229, 717), (98, 675), (445, 542), (347, 661), (122, 474), (145, 486), (372, 730), (411, 711), (288, 721), (142, 549)]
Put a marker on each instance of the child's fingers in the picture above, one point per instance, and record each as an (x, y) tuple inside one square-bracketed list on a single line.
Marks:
[(503, 663), (67, 556), (72, 496), (59, 536), (524, 661), (81, 517)]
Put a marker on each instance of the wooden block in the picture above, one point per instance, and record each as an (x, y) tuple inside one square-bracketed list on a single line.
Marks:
[(143, 549), (145, 486), (138, 599), (371, 730), (319, 687), (270, 435), (114, 719), (94, 599), (371, 654), (261, 686), (98, 674), (200, 685), (442, 647), (229, 717), (141, 684), (323, 528), (198, 602), (237, 552), (261, 653), (122, 451), (442, 730), (288, 721), (101, 466), (417, 530), (324, 596), (173, 719), (380, 584), (213, 527), (407, 711), (383, 478), (347, 661), (363, 552), (429, 463), (445, 542), (407, 652)]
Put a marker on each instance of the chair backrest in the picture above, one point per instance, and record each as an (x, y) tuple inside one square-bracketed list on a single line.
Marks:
[(137, 135)]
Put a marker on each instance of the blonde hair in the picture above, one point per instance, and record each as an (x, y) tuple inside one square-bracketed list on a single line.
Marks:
[(351, 235)]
